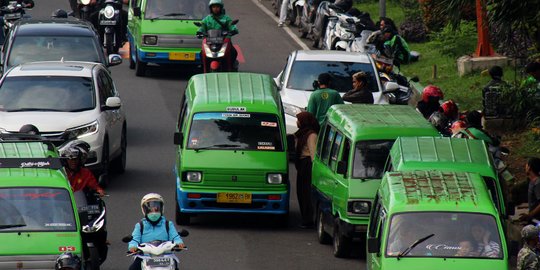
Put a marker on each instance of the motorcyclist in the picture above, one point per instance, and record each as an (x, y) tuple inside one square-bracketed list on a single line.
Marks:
[(218, 20), (397, 45), (475, 130), (443, 118), (79, 176), (430, 100), (4, 3), (94, 16), (152, 227)]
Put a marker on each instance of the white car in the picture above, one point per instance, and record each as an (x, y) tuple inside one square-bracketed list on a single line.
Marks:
[(303, 67), (66, 101)]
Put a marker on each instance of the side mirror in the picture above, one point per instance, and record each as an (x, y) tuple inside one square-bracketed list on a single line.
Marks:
[(127, 239), (83, 217), (183, 233), (290, 144), (137, 11), (390, 87), (373, 245), (178, 138), (199, 24), (115, 59), (415, 79), (341, 167), (235, 22), (278, 81), (113, 103)]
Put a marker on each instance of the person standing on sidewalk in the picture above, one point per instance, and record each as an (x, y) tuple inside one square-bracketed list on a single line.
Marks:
[(283, 12), (527, 258), (532, 169)]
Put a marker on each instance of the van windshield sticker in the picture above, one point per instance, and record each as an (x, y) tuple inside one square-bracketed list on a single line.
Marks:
[(194, 141), (238, 115), (31, 196), (58, 224), (268, 124), (265, 147), (265, 143), (236, 109)]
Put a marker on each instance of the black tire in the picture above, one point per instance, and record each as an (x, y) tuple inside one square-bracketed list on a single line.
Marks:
[(323, 237), (181, 218), (119, 163), (93, 259), (105, 163), (342, 243), (140, 67), (281, 220), (131, 60)]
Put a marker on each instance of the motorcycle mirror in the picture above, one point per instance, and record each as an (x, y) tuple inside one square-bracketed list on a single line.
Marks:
[(127, 239), (183, 233), (415, 79), (235, 22), (199, 24)]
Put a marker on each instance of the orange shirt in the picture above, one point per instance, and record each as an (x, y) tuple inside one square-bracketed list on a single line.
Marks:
[(83, 178)]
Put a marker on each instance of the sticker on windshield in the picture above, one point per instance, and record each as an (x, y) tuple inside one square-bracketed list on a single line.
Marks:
[(265, 143), (58, 224), (236, 109), (268, 124), (239, 115), (266, 147), (194, 141)]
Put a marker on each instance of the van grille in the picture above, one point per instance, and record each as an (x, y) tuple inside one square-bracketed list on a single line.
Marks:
[(178, 41)]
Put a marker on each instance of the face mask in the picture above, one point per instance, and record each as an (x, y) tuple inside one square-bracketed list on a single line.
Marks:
[(154, 216)]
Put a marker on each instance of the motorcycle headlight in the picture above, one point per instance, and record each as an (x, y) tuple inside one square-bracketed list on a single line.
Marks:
[(150, 40), (359, 207), (194, 177), (221, 52), (84, 2), (108, 12), (83, 131), (274, 178), (292, 110)]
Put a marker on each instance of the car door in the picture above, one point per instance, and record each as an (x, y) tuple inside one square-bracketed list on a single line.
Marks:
[(375, 230), (341, 189), (108, 118)]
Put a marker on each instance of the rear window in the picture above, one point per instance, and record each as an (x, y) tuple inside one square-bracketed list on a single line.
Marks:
[(226, 130), (36, 209)]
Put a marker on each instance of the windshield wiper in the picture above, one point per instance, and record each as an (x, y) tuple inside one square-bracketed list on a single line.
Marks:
[(168, 15), (416, 243), (34, 110), (217, 145), (11, 226)]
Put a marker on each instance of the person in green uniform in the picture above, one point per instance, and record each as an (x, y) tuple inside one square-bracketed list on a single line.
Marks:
[(217, 19), (323, 97)]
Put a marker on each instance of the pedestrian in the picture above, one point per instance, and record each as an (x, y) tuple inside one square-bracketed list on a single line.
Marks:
[(527, 258), (385, 21), (532, 169), (360, 92), (398, 47), (283, 12), (492, 91), (306, 143), (323, 97)]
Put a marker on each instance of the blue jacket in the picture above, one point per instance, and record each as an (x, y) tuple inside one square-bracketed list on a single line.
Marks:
[(151, 233)]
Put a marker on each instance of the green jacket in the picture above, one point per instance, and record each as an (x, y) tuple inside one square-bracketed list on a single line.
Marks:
[(400, 48), (211, 22), (321, 100)]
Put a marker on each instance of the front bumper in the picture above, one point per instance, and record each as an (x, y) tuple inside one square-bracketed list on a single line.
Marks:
[(163, 56)]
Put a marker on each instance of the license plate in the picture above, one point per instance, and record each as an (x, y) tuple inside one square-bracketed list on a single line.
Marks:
[(11, 16), (230, 197), (103, 22), (161, 262), (182, 56)]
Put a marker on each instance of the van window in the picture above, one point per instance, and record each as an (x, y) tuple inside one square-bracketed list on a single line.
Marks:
[(335, 150), (328, 139), (346, 153), (320, 139), (225, 130), (375, 216), (492, 187), (453, 235), (370, 157), (176, 9)]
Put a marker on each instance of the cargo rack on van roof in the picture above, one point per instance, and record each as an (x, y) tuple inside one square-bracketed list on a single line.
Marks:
[(23, 137)]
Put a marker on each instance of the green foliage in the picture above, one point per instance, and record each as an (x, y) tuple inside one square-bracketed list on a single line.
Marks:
[(531, 145), (393, 10), (455, 42), (521, 102)]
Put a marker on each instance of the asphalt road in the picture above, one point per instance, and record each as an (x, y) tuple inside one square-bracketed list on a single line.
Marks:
[(221, 241)]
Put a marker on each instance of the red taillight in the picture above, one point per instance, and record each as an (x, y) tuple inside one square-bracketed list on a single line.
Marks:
[(274, 197), (194, 196)]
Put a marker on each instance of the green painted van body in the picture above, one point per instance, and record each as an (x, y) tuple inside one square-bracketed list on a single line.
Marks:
[(352, 133), (239, 100), (29, 183), (433, 202)]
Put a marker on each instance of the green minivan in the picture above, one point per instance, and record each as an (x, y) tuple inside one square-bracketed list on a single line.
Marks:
[(435, 220), (352, 149), (162, 32), (231, 147), (38, 220)]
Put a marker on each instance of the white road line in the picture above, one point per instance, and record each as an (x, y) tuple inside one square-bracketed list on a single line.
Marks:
[(286, 28)]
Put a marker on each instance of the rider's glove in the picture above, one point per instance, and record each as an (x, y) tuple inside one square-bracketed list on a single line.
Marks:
[(233, 32)]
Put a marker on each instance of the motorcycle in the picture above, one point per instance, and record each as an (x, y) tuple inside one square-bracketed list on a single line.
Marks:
[(157, 254), (92, 213), (294, 10), (307, 17), (343, 30), (216, 54), (358, 44), (85, 10), (110, 23), (406, 93), (12, 13)]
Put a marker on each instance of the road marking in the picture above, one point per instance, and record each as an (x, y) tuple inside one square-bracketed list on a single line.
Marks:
[(285, 27)]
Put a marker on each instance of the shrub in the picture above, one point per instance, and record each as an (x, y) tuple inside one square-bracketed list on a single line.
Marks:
[(521, 103), (413, 30), (455, 42)]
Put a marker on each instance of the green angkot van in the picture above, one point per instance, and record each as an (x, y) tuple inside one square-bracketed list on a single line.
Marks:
[(162, 32), (435, 220), (38, 220), (231, 147), (352, 149), (448, 154)]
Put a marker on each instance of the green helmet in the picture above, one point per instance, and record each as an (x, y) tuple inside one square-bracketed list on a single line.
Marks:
[(215, 2)]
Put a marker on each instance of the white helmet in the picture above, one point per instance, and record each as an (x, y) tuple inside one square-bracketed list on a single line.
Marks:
[(151, 201)]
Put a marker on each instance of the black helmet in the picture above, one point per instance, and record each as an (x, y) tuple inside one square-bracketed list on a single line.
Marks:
[(29, 129), (60, 14), (344, 5), (75, 150), (68, 260)]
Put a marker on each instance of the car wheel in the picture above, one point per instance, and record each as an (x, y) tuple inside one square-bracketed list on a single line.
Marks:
[(104, 176), (119, 163), (140, 67), (342, 243), (131, 60), (323, 237), (181, 218)]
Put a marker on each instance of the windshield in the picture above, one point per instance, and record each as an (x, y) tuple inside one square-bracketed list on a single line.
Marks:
[(250, 131), (454, 235), (47, 93), (303, 73), (53, 48), (176, 9), (36, 209), (370, 158)]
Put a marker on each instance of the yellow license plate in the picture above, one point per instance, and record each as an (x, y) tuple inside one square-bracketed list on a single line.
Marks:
[(230, 197), (182, 56)]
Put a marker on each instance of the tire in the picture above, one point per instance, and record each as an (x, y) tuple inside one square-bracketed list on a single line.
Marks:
[(119, 163), (93, 259), (342, 243), (140, 67), (323, 237), (131, 60), (181, 218), (105, 163)]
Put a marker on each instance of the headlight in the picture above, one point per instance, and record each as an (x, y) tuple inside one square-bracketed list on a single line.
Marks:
[(359, 207), (221, 52), (83, 131), (84, 2), (108, 12), (194, 177), (274, 178), (292, 110), (150, 40)]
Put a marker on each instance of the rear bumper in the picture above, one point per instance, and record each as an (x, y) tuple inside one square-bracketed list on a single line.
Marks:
[(163, 57)]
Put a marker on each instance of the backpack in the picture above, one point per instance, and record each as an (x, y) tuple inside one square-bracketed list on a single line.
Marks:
[(141, 225)]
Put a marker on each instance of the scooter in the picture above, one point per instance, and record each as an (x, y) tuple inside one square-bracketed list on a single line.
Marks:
[(216, 54), (307, 17), (294, 10), (358, 44), (341, 28), (12, 13), (110, 23), (157, 255)]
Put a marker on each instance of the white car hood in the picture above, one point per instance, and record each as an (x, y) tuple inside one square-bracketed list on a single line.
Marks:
[(46, 121), (298, 98)]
